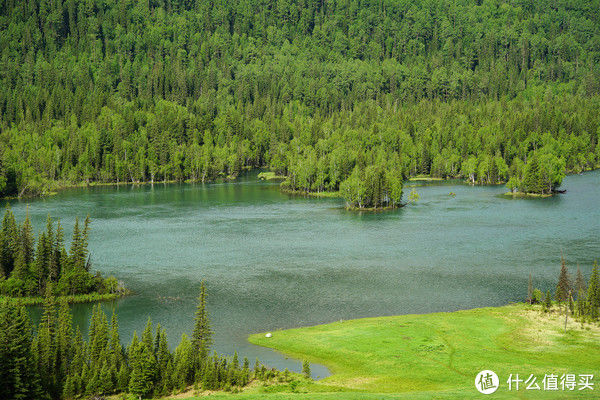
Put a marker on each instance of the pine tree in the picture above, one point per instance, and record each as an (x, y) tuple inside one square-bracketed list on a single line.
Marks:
[(593, 294), (8, 242), (98, 337), (105, 380), (114, 344), (563, 287), (532, 177), (547, 301), (256, 368), (235, 362), (143, 371), (59, 257), (581, 302), (18, 376), (306, 369), (47, 350), (202, 334), (25, 253), (163, 357), (122, 378), (185, 361), (49, 265), (245, 378), (79, 349), (147, 336), (579, 281), (77, 258), (64, 339), (69, 388), (40, 265), (84, 243)]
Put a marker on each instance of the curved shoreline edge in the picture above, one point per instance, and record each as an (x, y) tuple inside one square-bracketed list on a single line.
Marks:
[(440, 352)]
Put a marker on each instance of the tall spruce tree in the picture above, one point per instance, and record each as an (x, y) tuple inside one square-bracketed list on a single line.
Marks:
[(202, 334), (593, 293), (64, 342), (25, 252), (19, 378), (98, 337), (114, 344), (77, 257), (548, 301), (84, 243), (579, 280), (46, 347), (59, 256), (563, 287), (8, 242), (143, 369)]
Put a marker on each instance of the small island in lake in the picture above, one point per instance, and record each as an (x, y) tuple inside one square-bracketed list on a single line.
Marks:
[(540, 177), (28, 273)]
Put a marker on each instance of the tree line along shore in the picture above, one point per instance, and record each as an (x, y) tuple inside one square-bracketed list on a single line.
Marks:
[(56, 362), (342, 96), (29, 272)]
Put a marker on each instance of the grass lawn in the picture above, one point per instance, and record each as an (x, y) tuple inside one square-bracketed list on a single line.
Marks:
[(435, 355)]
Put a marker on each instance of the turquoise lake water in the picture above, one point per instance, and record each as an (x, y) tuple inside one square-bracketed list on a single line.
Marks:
[(273, 261)]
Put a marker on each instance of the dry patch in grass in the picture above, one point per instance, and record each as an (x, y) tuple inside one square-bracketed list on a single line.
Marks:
[(541, 330)]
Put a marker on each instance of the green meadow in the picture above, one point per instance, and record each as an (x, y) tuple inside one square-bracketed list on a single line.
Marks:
[(435, 355)]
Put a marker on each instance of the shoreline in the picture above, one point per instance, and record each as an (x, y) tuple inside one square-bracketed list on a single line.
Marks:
[(403, 353), (266, 176), (528, 195), (71, 299), (322, 195)]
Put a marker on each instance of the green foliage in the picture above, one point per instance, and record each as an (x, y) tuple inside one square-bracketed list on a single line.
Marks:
[(502, 338), (18, 376), (202, 334), (593, 293), (373, 187), (563, 287), (547, 305), (306, 369), (57, 363), (537, 296), (310, 89), (30, 271)]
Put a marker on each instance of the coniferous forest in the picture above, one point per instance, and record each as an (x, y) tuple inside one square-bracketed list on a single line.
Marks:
[(346, 98), (57, 363), (342, 95), (48, 269)]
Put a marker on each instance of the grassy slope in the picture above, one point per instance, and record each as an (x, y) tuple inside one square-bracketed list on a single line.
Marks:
[(435, 355)]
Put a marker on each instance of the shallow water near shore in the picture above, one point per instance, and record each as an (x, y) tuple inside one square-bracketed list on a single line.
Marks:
[(274, 261)]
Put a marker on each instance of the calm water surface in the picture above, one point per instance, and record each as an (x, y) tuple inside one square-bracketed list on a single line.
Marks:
[(272, 261)]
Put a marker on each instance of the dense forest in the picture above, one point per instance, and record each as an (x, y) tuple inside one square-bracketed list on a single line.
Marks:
[(324, 92), (57, 363), (48, 269)]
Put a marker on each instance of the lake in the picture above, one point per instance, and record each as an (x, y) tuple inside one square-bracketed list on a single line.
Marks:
[(273, 261)]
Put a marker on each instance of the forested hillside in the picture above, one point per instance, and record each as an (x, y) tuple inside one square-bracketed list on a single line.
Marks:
[(367, 92)]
